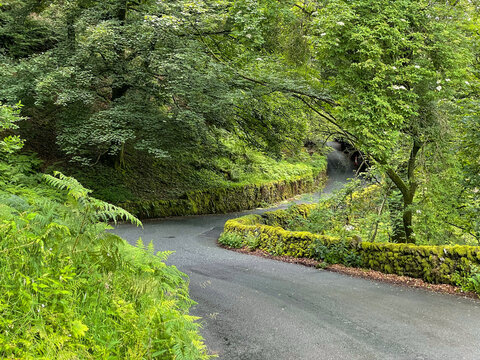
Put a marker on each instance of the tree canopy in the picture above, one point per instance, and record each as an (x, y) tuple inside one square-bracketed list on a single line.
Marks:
[(396, 80)]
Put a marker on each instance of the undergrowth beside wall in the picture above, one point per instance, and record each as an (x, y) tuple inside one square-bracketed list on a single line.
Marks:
[(450, 264)]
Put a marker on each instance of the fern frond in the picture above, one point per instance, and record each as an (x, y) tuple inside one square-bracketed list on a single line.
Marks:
[(103, 210), (106, 211), (63, 182), (140, 244), (55, 227), (151, 248)]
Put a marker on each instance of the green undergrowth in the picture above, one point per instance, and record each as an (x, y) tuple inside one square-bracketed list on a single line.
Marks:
[(356, 210), (141, 179), (370, 212), (70, 289), (448, 264)]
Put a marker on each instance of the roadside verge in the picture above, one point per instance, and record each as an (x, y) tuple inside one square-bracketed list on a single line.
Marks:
[(432, 264)]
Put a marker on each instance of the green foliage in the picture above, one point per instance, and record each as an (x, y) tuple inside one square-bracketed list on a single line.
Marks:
[(391, 64), (72, 289), (99, 78), (8, 116), (338, 253), (146, 92), (468, 139), (356, 210), (369, 212), (252, 242), (469, 281), (242, 164), (235, 241), (91, 208), (231, 240), (395, 70)]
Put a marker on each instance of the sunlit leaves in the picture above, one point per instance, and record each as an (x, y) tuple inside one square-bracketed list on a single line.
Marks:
[(389, 63), (9, 115)]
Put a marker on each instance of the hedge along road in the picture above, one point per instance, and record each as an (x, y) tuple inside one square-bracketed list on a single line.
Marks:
[(259, 309)]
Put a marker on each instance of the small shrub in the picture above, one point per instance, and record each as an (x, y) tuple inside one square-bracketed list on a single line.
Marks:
[(323, 265), (469, 281), (336, 253), (253, 242), (231, 240)]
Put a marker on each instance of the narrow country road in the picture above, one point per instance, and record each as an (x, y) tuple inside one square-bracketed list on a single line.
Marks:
[(258, 309)]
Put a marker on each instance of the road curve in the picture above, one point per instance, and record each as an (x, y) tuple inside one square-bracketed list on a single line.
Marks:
[(259, 309)]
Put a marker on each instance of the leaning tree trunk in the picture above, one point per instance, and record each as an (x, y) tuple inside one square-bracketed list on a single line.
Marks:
[(408, 190), (407, 217)]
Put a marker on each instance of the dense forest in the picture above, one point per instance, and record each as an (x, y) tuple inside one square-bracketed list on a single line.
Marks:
[(145, 100)]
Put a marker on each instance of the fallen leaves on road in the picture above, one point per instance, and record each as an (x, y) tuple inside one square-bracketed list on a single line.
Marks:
[(364, 273)]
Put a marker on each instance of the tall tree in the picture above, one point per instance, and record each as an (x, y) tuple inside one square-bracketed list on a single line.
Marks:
[(392, 66), (155, 76)]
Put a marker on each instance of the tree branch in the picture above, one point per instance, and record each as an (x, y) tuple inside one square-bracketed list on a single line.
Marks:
[(309, 13), (413, 156), (397, 180), (330, 120)]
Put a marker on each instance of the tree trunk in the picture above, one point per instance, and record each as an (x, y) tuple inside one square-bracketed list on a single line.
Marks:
[(407, 217), (71, 36), (408, 190), (122, 10), (395, 204)]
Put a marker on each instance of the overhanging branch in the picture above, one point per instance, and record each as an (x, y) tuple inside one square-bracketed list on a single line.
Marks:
[(328, 118)]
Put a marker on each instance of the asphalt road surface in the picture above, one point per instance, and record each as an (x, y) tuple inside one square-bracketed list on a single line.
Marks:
[(259, 309)]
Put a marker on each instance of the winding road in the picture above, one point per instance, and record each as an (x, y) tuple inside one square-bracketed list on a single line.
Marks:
[(259, 309)]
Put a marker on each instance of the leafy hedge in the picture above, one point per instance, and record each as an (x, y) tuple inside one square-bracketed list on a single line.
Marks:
[(228, 199), (434, 264)]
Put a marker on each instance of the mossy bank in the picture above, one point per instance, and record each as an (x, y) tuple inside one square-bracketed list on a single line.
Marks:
[(231, 198), (239, 178)]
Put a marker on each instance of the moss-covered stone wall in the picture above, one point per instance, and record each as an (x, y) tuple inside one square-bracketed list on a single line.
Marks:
[(283, 217), (274, 239), (434, 264), (228, 199)]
